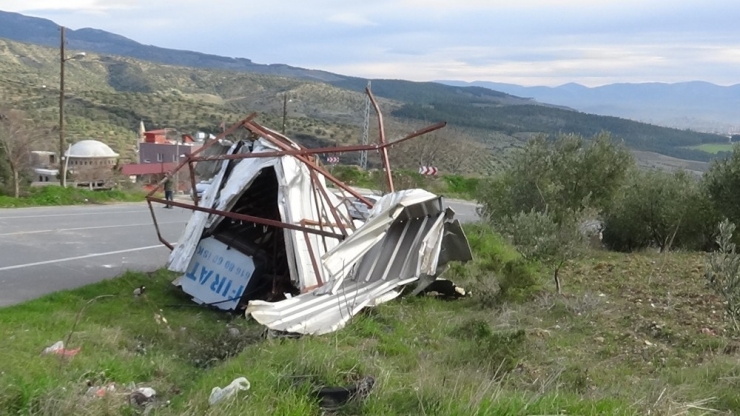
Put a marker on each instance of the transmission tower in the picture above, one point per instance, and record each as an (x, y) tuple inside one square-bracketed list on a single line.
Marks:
[(365, 131)]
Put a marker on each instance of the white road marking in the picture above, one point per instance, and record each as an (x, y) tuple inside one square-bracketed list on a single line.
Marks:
[(88, 228), (70, 215), (86, 256)]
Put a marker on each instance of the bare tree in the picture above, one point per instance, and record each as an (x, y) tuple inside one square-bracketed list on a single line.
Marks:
[(18, 133), (447, 149)]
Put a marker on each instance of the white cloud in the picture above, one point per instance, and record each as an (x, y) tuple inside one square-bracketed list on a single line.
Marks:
[(350, 19), (527, 41)]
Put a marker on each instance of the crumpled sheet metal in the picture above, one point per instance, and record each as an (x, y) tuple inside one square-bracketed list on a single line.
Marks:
[(409, 237), (400, 243), (296, 201)]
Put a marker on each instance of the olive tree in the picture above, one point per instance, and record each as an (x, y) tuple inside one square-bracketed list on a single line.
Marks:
[(548, 191), (722, 182), (562, 177), (663, 210), (18, 134)]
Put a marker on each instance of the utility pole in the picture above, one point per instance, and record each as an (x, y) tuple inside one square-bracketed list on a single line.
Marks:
[(177, 162), (62, 165), (62, 60), (365, 131), (285, 110)]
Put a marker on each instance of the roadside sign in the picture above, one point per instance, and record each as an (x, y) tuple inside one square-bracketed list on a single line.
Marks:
[(217, 275)]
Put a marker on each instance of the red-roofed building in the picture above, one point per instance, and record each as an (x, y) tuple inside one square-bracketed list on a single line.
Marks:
[(160, 151)]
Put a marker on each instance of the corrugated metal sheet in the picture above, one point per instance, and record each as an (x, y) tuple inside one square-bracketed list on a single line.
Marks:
[(396, 247)]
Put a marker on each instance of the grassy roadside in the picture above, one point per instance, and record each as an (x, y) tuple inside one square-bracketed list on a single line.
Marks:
[(55, 195), (451, 186), (632, 335)]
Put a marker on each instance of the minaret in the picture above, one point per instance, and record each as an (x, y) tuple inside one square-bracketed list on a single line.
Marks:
[(142, 129)]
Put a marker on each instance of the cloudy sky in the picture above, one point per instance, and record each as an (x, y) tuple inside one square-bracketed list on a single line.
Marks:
[(527, 42)]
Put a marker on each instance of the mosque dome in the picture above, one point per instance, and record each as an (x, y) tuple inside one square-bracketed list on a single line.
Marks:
[(90, 149)]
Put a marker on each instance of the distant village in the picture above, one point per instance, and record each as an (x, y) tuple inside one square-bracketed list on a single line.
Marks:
[(94, 165)]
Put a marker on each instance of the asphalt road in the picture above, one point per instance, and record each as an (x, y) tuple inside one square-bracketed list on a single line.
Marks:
[(43, 250)]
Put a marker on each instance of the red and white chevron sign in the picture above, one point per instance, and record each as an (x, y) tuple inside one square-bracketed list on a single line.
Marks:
[(428, 170), (332, 159)]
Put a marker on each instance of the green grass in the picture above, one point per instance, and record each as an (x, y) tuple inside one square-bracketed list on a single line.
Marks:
[(55, 195), (625, 339), (451, 186), (714, 148)]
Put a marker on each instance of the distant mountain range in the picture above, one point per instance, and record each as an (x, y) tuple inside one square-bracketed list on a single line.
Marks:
[(693, 105)]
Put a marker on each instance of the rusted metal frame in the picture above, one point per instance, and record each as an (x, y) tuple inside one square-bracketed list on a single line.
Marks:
[(190, 156), (319, 212), (314, 262), (316, 223), (302, 152), (343, 219), (310, 164), (188, 159), (383, 150), (332, 209), (344, 200), (196, 199), (156, 227), (243, 217), (321, 150)]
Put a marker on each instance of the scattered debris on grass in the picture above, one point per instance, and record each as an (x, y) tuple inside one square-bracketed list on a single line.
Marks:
[(219, 394), (58, 348), (331, 398)]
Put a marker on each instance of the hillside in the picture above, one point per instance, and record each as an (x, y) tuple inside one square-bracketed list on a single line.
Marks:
[(44, 32), (109, 94)]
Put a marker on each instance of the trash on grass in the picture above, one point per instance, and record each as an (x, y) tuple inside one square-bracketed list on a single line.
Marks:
[(139, 291), (142, 396), (100, 391), (334, 397), (58, 348), (218, 394)]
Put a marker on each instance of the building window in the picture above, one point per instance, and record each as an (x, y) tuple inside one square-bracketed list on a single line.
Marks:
[(160, 157)]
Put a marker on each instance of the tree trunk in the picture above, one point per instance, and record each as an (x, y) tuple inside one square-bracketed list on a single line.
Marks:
[(558, 287), (16, 183)]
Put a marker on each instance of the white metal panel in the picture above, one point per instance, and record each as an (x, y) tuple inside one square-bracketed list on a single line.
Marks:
[(185, 247), (217, 275)]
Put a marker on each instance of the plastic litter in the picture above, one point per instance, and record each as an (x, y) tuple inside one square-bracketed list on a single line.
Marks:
[(100, 391), (58, 348), (148, 392), (218, 394), (142, 396)]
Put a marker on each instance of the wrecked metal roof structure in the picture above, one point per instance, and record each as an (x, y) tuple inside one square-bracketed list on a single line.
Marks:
[(270, 236)]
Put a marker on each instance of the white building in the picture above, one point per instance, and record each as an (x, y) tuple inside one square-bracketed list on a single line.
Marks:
[(90, 163)]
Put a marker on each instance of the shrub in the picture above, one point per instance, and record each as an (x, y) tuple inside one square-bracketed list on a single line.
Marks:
[(723, 271), (660, 209), (498, 271), (722, 181), (562, 177), (538, 237)]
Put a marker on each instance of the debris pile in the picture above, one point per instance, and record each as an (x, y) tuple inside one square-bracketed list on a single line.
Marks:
[(270, 237)]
